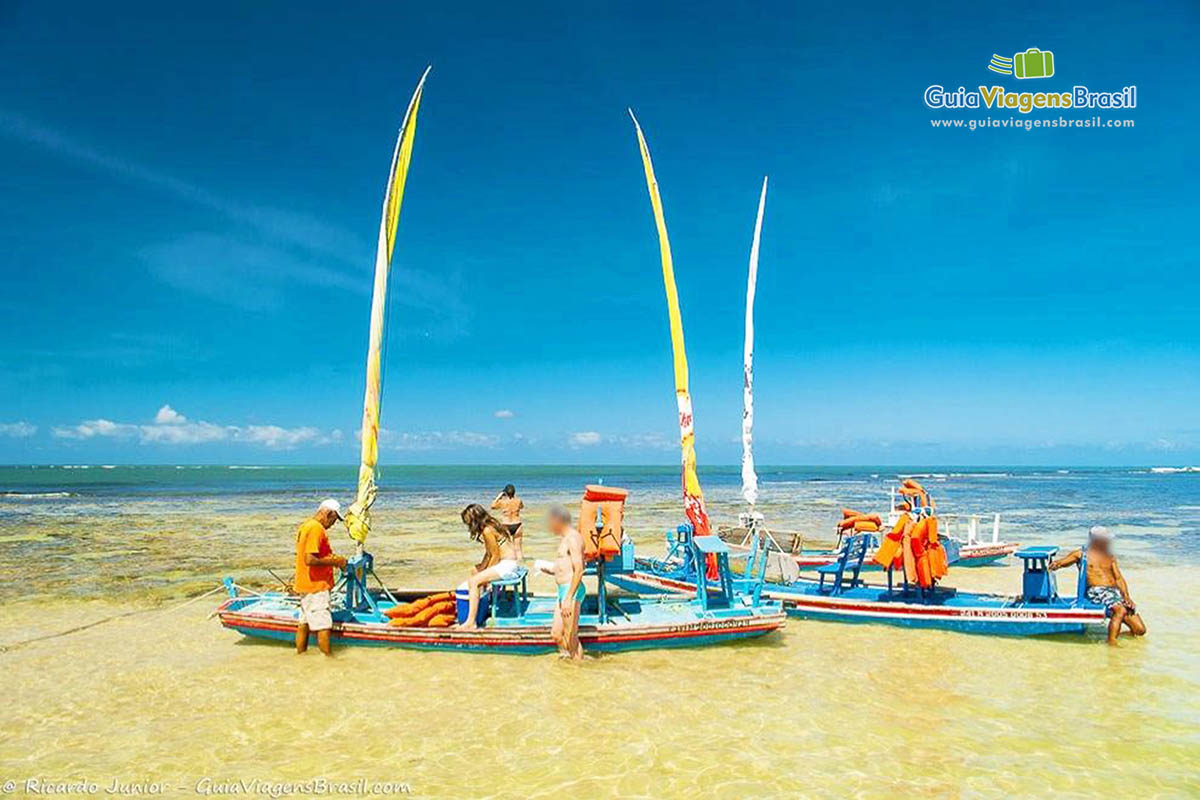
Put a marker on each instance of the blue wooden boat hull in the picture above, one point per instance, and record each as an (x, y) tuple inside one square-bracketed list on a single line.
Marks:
[(641, 625), (965, 612)]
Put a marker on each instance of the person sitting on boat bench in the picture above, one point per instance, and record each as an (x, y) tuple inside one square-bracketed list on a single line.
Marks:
[(567, 570), (497, 563), (315, 561), (1105, 584)]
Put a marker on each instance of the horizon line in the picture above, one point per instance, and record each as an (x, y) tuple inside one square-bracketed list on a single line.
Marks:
[(591, 465)]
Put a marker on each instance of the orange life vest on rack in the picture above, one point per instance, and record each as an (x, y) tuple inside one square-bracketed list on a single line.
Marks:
[(602, 538), (929, 557), (890, 546)]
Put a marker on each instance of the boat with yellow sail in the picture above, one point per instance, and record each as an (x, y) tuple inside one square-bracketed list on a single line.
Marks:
[(512, 619)]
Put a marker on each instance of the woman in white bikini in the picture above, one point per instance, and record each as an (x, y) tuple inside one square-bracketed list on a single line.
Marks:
[(498, 562)]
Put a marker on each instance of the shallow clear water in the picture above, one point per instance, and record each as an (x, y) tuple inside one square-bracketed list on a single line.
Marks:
[(823, 709)]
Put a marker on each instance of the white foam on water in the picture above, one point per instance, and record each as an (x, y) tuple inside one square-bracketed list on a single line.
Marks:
[(980, 475)]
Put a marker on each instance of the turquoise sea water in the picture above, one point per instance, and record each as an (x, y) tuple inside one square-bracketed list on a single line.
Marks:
[(1156, 511)]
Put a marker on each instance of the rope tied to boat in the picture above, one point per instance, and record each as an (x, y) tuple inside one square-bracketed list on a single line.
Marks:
[(4, 648)]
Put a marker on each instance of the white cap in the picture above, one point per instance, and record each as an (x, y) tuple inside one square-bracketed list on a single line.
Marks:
[(332, 505), (1100, 532)]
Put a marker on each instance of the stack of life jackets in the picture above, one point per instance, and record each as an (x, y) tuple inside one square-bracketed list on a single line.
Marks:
[(858, 522), (917, 496), (431, 611), (601, 521), (912, 544)]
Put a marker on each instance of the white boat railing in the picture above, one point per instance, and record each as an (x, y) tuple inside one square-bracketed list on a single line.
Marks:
[(964, 527), (952, 523)]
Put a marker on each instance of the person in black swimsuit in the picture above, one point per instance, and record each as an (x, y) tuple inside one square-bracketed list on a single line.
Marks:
[(509, 506)]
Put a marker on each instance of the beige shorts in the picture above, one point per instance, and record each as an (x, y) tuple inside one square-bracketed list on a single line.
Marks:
[(314, 611)]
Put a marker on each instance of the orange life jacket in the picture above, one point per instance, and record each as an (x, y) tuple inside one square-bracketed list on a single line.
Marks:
[(603, 541)]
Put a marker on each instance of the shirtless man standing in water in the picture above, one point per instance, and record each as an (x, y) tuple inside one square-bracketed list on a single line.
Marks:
[(509, 506), (1105, 583), (567, 570)]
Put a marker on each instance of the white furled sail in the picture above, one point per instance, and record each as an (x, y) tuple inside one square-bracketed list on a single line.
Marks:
[(358, 516), (749, 476)]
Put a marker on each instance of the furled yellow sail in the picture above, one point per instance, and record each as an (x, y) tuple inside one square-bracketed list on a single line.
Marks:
[(358, 516), (693, 496)]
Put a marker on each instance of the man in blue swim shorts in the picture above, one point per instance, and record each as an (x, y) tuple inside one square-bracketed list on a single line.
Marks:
[(568, 574)]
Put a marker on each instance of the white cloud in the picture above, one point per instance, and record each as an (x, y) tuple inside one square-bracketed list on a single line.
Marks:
[(268, 250), (169, 416), (91, 428), (277, 438), (505, 413), (17, 430), (172, 428), (435, 440), (633, 441), (185, 433), (651, 441), (584, 439), (297, 230)]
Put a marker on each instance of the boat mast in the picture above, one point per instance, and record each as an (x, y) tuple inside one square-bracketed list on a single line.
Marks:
[(693, 496), (749, 477), (358, 516)]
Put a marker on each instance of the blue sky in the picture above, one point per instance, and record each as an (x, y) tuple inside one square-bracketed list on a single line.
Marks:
[(191, 199)]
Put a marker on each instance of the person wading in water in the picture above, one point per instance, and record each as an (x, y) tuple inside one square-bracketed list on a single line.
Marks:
[(509, 506)]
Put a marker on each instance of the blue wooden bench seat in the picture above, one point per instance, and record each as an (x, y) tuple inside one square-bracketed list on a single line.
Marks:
[(516, 589), (854, 551)]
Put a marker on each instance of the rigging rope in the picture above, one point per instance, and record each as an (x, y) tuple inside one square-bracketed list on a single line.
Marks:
[(78, 628)]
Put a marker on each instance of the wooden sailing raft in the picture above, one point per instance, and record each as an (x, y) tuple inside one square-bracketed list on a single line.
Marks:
[(518, 622), (839, 594)]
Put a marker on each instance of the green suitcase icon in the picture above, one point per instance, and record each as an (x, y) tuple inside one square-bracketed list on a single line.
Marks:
[(1033, 63)]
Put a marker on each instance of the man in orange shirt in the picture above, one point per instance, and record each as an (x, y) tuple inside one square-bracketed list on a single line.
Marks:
[(315, 561)]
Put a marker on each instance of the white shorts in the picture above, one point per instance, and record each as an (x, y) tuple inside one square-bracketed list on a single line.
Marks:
[(507, 569), (314, 611)]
